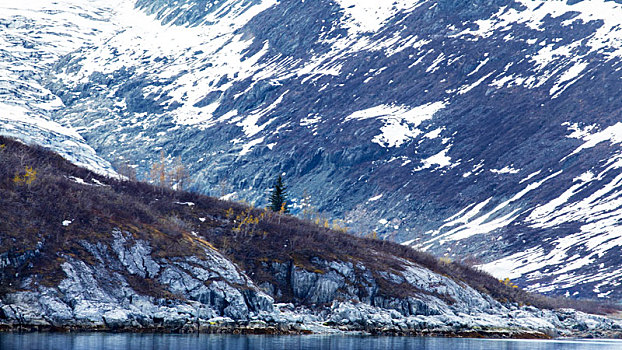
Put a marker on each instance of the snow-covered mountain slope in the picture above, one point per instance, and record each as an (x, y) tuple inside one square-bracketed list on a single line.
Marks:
[(485, 130), (34, 35)]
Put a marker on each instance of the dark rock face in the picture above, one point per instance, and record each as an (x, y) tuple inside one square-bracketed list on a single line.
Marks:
[(486, 131)]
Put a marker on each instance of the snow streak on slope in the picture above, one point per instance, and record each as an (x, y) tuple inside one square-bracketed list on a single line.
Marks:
[(554, 55), (474, 219), (599, 236), (34, 35)]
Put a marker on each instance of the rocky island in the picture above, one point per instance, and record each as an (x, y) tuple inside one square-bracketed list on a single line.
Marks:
[(81, 251)]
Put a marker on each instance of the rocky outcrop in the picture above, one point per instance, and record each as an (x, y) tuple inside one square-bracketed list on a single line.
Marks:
[(128, 287), (125, 287)]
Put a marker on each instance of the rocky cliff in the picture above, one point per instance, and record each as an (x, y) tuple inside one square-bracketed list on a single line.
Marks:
[(86, 252)]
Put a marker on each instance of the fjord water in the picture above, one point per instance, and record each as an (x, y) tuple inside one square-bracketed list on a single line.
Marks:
[(121, 341)]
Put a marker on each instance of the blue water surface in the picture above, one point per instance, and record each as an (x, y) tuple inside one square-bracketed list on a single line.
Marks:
[(108, 341)]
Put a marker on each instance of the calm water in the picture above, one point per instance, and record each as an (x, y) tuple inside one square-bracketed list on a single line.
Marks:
[(99, 341)]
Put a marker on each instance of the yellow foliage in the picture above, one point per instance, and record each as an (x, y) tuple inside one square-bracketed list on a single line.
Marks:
[(373, 235), (508, 283), (339, 225), (27, 177), (179, 174), (158, 172), (193, 239), (312, 215), (165, 173), (445, 260), (246, 222)]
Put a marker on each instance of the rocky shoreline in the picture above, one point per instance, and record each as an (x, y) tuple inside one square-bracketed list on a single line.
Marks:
[(344, 318), (285, 330), (211, 294), (293, 330)]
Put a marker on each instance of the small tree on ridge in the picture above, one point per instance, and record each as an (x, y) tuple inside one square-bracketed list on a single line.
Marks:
[(278, 198)]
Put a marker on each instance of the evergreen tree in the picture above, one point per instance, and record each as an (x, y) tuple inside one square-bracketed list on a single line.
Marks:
[(278, 198)]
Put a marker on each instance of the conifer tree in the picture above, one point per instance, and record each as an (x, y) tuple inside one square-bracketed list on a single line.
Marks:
[(278, 198)]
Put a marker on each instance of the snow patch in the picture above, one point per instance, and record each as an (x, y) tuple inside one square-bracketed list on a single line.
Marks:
[(375, 198), (441, 160), (613, 134), (246, 148), (505, 170), (370, 15), (400, 122)]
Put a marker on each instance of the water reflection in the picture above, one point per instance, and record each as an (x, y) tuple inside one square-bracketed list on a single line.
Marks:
[(104, 341)]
